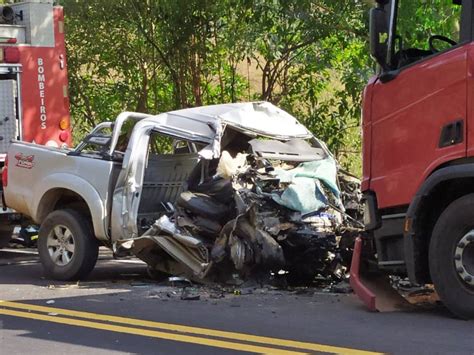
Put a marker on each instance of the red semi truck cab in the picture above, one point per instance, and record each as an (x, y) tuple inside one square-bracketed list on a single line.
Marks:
[(33, 75), (418, 147)]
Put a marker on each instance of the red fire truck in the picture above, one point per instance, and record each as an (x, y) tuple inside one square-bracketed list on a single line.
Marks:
[(34, 103)]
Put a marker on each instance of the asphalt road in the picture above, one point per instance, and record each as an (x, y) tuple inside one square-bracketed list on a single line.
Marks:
[(118, 310)]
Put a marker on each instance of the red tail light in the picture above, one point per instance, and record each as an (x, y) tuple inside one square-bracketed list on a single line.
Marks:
[(5, 173), (11, 55), (63, 136)]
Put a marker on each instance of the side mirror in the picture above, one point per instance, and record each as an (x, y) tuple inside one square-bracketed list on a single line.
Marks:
[(379, 35)]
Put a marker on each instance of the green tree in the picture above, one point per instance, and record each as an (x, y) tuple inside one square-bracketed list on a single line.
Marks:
[(308, 56)]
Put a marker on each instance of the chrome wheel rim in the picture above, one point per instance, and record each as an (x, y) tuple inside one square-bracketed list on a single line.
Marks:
[(464, 258), (61, 245)]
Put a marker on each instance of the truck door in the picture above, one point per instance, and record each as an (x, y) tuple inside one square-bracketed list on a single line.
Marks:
[(419, 122), (127, 192), (153, 175), (470, 100), (419, 113)]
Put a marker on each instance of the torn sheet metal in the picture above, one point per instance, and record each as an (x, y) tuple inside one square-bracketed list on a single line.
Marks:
[(257, 207), (248, 245), (213, 150), (253, 233), (253, 118), (263, 118), (186, 249)]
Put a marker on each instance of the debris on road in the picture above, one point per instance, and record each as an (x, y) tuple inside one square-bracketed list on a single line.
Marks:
[(341, 287), (188, 294)]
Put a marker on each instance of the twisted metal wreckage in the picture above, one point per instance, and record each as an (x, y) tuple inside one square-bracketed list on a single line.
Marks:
[(266, 197)]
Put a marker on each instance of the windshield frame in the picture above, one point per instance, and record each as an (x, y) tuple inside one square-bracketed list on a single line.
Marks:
[(465, 34)]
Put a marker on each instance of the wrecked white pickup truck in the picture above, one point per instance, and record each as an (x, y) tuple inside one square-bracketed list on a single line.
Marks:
[(244, 190)]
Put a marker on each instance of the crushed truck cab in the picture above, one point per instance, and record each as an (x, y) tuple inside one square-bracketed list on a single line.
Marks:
[(244, 187)]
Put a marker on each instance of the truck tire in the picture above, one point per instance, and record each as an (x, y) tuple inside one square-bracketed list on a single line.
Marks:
[(6, 232), (451, 257), (67, 246)]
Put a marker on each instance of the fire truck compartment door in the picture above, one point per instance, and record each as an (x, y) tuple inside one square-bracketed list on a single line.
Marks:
[(13, 31), (8, 121)]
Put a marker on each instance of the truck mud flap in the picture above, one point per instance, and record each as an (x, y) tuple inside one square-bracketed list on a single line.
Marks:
[(375, 291)]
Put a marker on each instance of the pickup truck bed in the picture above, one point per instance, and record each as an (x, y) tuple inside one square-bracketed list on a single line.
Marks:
[(41, 179)]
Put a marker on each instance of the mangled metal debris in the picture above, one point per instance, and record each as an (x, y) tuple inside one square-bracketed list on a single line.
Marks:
[(261, 217), (256, 205)]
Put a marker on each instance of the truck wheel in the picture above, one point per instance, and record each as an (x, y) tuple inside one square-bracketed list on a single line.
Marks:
[(451, 257), (67, 246), (6, 232)]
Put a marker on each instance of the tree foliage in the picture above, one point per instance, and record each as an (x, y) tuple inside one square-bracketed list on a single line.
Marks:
[(308, 56)]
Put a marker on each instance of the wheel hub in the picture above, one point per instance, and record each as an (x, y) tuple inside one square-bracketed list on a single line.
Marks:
[(61, 245), (464, 258)]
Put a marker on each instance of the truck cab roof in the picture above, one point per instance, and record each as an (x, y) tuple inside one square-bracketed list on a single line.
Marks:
[(252, 118)]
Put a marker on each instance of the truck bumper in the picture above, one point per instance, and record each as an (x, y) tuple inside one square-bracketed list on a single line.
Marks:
[(374, 289), (364, 294), (7, 213)]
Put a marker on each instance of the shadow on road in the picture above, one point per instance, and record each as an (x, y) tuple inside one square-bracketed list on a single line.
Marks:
[(123, 289)]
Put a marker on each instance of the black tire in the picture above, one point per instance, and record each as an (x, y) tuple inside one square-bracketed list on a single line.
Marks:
[(86, 247), (6, 232), (453, 224)]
